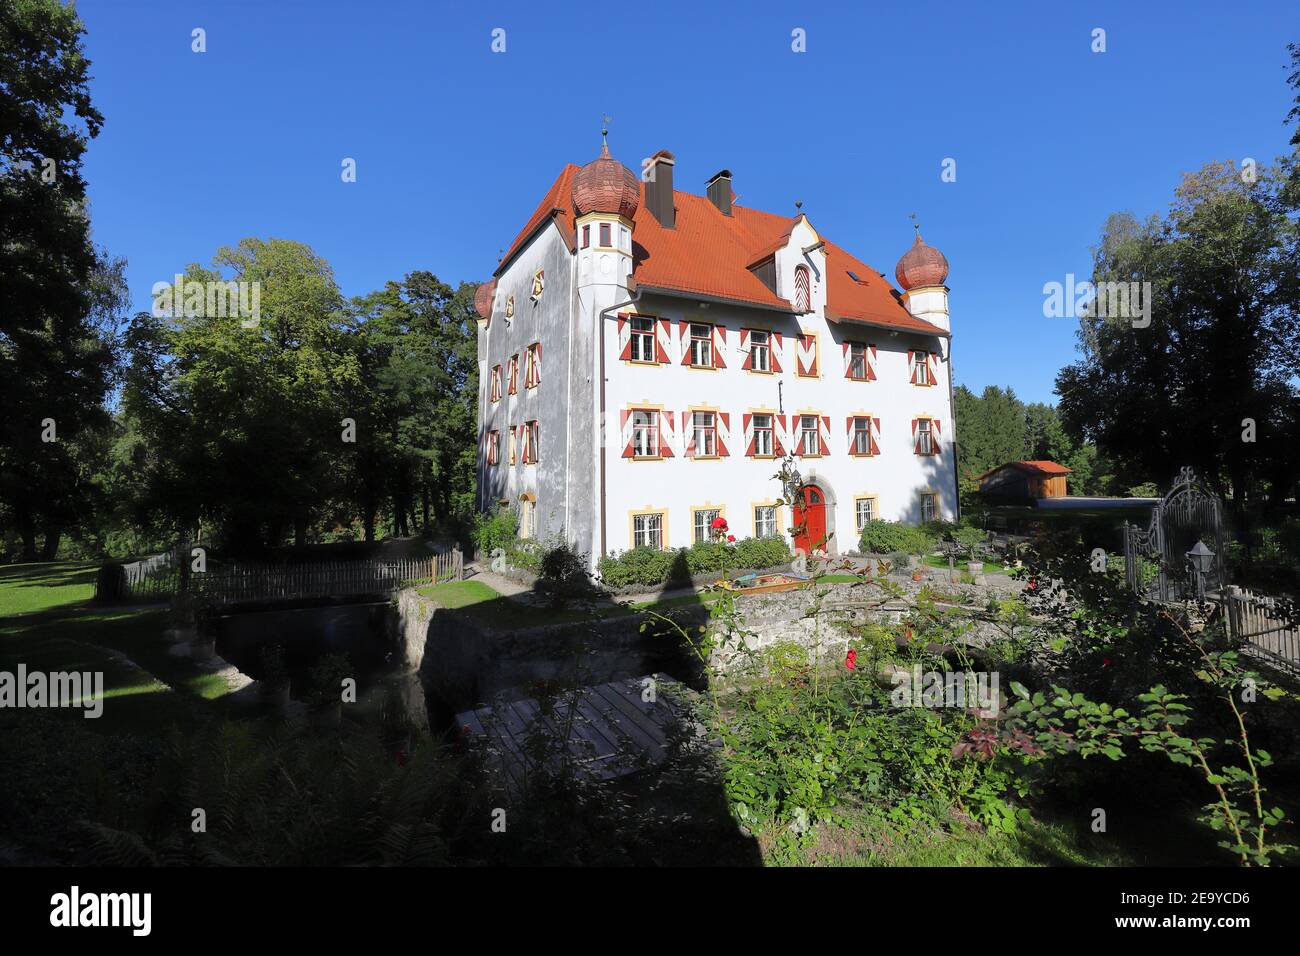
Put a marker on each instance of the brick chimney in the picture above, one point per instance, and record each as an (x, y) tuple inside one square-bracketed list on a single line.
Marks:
[(659, 188), (719, 191)]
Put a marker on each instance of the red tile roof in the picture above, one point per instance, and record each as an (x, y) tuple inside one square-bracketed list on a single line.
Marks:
[(1041, 468), (709, 254)]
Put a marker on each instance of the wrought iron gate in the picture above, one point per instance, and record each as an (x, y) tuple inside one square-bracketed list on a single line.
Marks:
[(1155, 559)]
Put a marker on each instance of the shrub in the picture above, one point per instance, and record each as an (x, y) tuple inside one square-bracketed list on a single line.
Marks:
[(887, 537), (652, 568), (563, 572), (497, 530)]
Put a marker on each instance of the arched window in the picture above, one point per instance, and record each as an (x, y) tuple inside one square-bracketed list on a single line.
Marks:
[(802, 296)]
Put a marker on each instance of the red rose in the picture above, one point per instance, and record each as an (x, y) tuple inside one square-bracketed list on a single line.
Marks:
[(731, 537), (719, 523), (851, 660)]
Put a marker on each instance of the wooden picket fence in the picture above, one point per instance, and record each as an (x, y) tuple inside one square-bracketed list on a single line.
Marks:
[(256, 582), (1255, 622), (164, 575)]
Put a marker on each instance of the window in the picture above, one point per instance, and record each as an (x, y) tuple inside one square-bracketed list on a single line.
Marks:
[(857, 361), (493, 447), (530, 449), (765, 521), (586, 236), (539, 284), (703, 523), (864, 511), (514, 375), (604, 234), (648, 531), (645, 434), (760, 352), (496, 383), (924, 437), (533, 366), (762, 425), (802, 295), (929, 507), (921, 368), (704, 434), (808, 437), (643, 340), (702, 345), (861, 436)]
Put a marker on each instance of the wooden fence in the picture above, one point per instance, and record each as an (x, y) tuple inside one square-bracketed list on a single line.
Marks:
[(1257, 622), (165, 575)]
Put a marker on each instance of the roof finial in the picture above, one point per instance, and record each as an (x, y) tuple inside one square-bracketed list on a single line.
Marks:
[(798, 205), (604, 134), (917, 226)]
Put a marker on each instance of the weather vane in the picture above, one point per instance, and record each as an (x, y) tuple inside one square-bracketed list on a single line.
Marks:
[(916, 224)]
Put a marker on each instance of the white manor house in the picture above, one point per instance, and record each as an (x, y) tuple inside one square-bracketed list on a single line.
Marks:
[(648, 357)]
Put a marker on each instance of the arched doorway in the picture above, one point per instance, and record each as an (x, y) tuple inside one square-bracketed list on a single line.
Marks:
[(810, 519)]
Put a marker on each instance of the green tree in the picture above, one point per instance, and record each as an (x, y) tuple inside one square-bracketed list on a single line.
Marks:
[(1220, 348), (60, 298), (247, 425)]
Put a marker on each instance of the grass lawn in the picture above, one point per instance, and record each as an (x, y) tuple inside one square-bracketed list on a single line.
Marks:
[(27, 588), (990, 567), (865, 840)]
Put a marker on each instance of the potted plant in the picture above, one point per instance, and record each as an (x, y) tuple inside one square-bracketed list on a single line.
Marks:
[(970, 538)]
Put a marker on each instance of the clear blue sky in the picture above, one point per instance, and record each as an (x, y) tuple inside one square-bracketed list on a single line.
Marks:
[(455, 144)]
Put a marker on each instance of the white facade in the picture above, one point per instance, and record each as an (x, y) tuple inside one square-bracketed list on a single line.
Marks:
[(586, 486)]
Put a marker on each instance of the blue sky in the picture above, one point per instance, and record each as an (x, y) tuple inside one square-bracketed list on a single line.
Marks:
[(455, 144)]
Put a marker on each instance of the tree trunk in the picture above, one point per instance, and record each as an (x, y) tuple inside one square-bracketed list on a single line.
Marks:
[(51, 549), (27, 531)]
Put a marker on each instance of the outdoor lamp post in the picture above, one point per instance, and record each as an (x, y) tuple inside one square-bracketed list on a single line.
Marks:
[(1201, 559)]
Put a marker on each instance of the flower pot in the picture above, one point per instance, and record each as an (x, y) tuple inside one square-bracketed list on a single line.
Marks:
[(975, 567), (916, 575)]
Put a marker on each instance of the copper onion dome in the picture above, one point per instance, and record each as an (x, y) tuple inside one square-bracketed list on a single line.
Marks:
[(921, 265), (483, 298), (606, 185)]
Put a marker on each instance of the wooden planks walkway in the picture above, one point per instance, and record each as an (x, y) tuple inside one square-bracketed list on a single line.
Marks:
[(602, 732)]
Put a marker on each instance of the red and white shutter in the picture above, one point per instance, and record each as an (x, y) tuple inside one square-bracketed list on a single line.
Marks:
[(625, 431), (744, 342), (802, 298), (848, 359), (807, 355), (624, 338), (871, 363), (719, 343), (911, 366), (780, 437), (747, 430), (537, 364), (934, 436), (875, 433), (778, 345), (932, 366), (684, 336), (688, 434), (724, 433), (824, 435), (663, 340), (853, 448), (667, 434), (916, 442)]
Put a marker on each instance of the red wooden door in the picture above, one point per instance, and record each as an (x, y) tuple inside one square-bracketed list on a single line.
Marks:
[(810, 519)]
